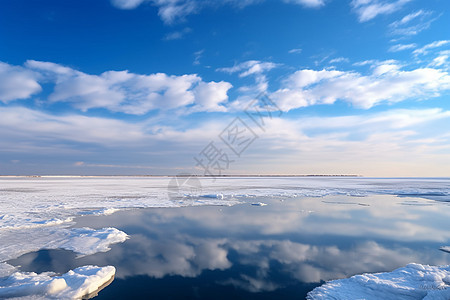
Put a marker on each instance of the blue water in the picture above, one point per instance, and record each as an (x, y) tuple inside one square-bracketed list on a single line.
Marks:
[(279, 251)]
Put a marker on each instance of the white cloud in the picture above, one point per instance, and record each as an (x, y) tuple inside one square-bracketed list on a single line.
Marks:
[(365, 62), (401, 47), (413, 23), (169, 11), (122, 91), (442, 59), (369, 9), (249, 67), (19, 123), (172, 11), (408, 18), (295, 51), (436, 44), (177, 35), (209, 95), (307, 3), (255, 68), (197, 56), (387, 83), (76, 137), (386, 121), (49, 68), (303, 78), (388, 142), (339, 60), (17, 83), (397, 142), (126, 4)]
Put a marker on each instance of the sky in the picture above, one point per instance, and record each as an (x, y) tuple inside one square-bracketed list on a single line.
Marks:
[(215, 87)]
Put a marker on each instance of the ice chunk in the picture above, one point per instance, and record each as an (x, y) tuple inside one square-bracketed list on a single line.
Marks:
[(6, 269), (445, 249), (88, 241), (259, 204), (75, 284), (213, 196), (414, 281), (100, 212), (84, 241)]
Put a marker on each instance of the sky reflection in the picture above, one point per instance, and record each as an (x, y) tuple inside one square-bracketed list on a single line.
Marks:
[(271, 248)]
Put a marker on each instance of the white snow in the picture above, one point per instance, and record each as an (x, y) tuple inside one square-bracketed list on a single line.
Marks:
[(414, 281), (72, 285)]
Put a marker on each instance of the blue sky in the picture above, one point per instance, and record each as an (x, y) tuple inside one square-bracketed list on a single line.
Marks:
[(145, 86)]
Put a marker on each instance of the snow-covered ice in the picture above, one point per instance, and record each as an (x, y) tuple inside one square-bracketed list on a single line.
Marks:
[(74, 284), (84, 241), (445, 248), (414, 281), (259, 204), (212, 196)]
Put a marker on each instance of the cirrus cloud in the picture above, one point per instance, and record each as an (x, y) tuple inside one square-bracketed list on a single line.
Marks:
[(369, 9), (173, 11)]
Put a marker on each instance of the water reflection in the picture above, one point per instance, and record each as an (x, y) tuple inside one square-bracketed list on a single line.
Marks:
[(287, 246)]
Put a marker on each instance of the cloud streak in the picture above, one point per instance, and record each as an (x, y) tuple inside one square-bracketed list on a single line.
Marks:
[(370, 9), (401, 47), (255, 68), (412, 23), (174, 11), (425, 49), (307, 3)]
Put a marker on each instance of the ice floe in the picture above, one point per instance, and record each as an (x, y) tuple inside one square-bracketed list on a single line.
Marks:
[(212, 196), (259, 204), (445, 249), (83, 241), (414, 281), (79, 283)]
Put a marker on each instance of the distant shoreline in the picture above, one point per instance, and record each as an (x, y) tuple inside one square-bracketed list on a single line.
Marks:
[(182, 175), (223, 176)]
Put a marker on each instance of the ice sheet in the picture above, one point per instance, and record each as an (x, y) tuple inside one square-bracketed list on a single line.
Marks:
[(40, 202), (84, 241), (414, 281)]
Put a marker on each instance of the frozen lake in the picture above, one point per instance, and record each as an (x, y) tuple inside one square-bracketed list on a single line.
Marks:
[(241, 238)]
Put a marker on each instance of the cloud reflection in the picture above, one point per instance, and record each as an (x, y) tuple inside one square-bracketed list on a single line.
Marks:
[(267, 248)]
